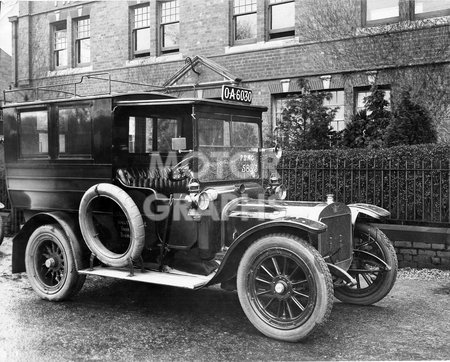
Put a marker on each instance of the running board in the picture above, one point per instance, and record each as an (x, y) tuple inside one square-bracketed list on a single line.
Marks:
[(173, 278)]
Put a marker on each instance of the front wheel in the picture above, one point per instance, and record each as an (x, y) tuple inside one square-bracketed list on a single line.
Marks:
[(374, 267), (50, 264), (284, 287)]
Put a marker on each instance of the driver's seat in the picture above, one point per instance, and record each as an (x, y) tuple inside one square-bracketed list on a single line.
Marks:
[(156, 179)]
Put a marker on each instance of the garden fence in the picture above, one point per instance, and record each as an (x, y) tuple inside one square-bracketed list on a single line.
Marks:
[(414, 192)]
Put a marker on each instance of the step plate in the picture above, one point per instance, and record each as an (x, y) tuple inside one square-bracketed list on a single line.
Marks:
[(172, 278)]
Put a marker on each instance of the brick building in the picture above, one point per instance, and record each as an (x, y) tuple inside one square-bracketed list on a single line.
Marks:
[(193, 47), (5, 70)]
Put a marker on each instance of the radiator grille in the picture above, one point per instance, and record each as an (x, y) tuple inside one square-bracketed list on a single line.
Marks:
[(335, 245)]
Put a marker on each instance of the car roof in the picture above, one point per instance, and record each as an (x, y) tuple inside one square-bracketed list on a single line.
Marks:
[(140, 99)]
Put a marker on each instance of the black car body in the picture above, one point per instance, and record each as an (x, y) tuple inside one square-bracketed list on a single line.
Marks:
[(178, 191)]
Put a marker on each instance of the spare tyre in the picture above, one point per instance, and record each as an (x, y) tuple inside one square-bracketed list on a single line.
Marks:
[(89, 227)]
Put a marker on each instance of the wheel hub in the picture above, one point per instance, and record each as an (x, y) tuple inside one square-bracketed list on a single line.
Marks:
[(50, 263), (280, 287)]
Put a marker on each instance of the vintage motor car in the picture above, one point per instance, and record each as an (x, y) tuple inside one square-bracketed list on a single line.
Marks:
[(177, 191)]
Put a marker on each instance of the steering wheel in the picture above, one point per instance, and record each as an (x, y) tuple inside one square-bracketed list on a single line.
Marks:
[(181, 170)]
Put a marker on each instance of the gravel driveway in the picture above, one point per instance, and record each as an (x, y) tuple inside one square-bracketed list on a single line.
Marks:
[(118, 320)]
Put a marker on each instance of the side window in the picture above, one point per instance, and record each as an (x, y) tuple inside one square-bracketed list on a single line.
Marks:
[(147, 134), (74, 131), (140, 135), (33, 131), (213, 132), (166, 130)]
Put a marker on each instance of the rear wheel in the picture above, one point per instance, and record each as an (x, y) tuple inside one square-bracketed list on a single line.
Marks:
[(374, 267), (50, 264), (284, 287)]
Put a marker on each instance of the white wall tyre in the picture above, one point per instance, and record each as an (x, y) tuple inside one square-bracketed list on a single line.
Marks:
[(50, 264), (284, 287), (91, 235), (374, 281)]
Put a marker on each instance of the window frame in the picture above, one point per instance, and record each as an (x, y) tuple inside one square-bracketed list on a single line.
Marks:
[(80, 156), (367, 89), (155, 131), (134, 30), (337, 121), (78, 40), (162, 24), (383, 21), (34, 156), (428, 14), (56, 51), (249, 120), (234, 23), (285, 32)]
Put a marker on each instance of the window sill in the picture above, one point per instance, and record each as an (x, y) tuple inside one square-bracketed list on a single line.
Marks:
[(69, 71), (271, 44), (152, 60)]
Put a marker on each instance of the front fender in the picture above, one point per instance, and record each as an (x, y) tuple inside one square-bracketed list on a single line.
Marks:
[(230, 262), (369, 210)]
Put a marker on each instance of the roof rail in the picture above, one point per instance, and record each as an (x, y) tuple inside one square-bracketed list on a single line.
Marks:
[(66, 90)]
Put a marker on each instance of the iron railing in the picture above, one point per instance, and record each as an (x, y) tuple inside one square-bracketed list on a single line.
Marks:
[(71, 89), (414, 192)]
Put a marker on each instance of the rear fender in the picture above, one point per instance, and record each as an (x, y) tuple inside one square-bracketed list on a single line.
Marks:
[(298, 226), (67, 222), (372, 211)]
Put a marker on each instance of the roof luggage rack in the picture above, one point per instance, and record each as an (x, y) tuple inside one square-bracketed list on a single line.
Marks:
[(71, 89)]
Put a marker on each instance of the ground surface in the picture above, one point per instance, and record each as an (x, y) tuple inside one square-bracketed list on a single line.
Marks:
[(117, 320)]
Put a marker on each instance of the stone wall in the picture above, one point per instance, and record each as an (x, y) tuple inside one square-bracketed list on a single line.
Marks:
[(420, 247)]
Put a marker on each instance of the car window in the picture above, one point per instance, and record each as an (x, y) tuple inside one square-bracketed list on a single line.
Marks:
[(34, 133), (213, 132), (166, 130), (74, 131), (140, 134), (147, 134), (245, 134)]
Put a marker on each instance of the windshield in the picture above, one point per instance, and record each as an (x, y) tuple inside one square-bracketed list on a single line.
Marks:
[(228, 149)]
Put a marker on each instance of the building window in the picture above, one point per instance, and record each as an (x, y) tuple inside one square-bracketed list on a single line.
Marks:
[(281, 18), (74, 131), (60, 45), (381, 11), (428, 8), (279, 104), (336, 101), (34, 134), (141, 31), (244, 21), (83, 41), (170, 26), (361, 96)]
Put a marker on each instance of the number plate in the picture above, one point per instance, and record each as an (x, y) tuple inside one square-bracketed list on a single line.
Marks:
[(236, 94)]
